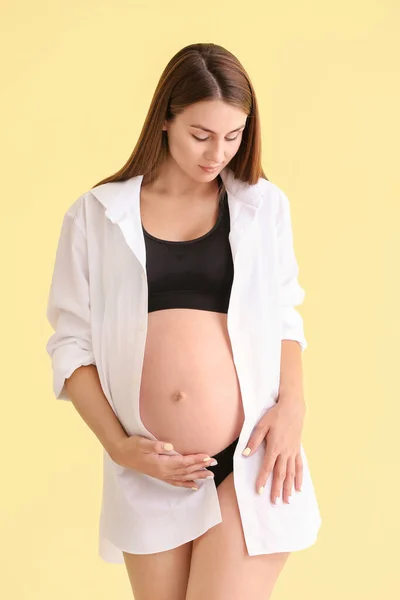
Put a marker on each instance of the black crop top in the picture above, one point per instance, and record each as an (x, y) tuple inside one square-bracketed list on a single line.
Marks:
[(191, 274)]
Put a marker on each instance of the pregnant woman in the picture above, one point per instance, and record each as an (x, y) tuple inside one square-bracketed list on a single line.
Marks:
[(190, 393), (177, 340)]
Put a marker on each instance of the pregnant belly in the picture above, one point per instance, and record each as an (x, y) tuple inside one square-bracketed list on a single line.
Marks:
[(190, 394)]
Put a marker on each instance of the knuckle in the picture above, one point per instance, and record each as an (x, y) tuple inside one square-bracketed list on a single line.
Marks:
[(172, 482), (188, 472), (280, 474), (165, 472)]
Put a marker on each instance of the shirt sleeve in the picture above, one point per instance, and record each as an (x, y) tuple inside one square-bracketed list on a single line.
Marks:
[(68, 308), (291, 292)]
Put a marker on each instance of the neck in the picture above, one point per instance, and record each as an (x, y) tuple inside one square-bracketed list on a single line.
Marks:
[(171, 181)]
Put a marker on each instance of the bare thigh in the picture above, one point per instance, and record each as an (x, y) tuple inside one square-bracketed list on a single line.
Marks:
[(220, 566), (161, 576)]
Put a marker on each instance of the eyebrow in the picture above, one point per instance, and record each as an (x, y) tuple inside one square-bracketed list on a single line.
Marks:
[(210, 131)]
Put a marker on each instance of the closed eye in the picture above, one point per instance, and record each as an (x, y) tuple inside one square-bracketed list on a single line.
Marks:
[(205, 139)]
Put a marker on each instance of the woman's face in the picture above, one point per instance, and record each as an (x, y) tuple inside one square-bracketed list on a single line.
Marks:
[(192, 147)]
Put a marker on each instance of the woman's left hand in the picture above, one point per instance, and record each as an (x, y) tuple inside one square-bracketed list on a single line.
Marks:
[(281, 426)]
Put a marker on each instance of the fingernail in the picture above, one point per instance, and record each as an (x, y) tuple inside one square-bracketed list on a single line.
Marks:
[(168, 447), (277, 500), (206, 458), (246, 451), (261, 489), (195, 489), (215, 462), (289, 499), (210, 477)]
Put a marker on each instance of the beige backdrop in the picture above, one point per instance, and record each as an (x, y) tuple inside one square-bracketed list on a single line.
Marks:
[(77, 79)]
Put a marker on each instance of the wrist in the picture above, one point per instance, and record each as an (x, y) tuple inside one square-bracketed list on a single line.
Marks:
[(115, 448), (292, 399)]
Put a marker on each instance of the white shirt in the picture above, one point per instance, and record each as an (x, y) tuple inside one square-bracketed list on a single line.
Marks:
[(98, 308)]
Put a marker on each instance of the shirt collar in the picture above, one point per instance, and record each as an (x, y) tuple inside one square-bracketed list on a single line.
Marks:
[(117, 196)]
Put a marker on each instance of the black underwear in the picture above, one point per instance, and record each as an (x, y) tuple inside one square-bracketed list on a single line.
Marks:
[(225, 463)]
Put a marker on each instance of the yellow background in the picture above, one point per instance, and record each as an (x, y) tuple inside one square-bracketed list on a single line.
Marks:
[(77, 80)]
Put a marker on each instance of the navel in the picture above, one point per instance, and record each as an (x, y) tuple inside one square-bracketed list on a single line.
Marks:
[(180, 396)]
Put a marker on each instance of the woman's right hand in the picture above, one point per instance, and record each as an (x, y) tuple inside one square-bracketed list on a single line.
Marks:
[(151, 458)]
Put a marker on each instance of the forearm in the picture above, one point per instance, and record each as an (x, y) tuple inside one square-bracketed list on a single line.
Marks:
[(291, 373), (87, 396)]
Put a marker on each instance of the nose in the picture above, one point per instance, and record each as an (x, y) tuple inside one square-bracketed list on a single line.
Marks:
[(216, 153)]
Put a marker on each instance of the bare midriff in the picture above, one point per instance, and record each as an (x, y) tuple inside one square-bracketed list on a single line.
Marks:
[(190, 394)]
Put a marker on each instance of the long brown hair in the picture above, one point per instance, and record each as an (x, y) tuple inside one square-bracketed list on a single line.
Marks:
[(196, 73)]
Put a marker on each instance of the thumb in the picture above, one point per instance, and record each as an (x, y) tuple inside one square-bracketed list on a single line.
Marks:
[(165, 447), (156, 446), (162, 447)]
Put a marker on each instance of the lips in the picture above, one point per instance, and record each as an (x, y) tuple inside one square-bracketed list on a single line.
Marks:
[(209, 169)]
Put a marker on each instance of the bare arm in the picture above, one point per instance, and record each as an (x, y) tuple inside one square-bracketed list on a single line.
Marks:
[(86, 394), (291, 375)]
